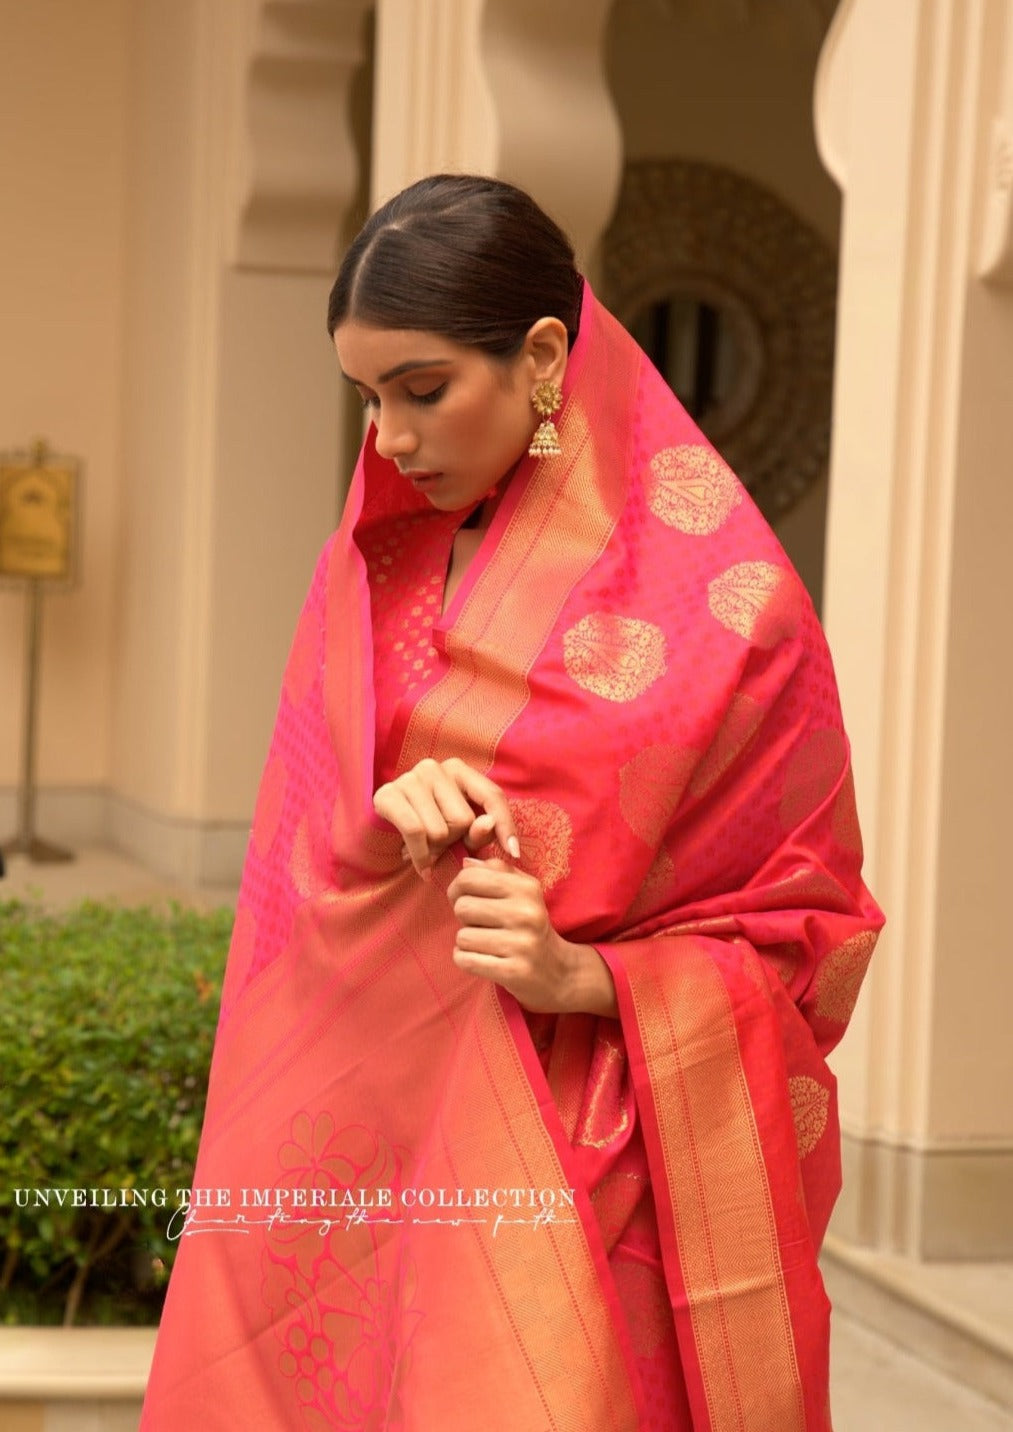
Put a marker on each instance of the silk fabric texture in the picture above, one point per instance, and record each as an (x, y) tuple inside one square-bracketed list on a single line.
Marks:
[(529, 1222)]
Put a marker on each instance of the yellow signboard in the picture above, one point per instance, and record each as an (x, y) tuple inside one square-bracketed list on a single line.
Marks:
[(38, 509)]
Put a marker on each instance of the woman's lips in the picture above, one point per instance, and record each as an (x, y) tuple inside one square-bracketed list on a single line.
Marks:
[(422, 479)]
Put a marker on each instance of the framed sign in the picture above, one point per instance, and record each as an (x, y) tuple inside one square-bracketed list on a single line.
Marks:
[(39, 495)]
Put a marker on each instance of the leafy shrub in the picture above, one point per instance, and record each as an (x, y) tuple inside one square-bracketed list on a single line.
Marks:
[(107, 1020)]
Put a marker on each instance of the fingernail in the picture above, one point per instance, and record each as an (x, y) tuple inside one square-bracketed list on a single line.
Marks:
[(405, 853), (514, 847)]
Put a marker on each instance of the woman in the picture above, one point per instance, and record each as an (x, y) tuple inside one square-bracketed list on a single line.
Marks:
[(519, 1116)]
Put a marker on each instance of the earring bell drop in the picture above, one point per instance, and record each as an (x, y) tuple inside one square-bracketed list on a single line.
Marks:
[(547, 399)]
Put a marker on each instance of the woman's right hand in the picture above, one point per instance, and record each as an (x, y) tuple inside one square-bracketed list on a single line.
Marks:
[(438, 803)]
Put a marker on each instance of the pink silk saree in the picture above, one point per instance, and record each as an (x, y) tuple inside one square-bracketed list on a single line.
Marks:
[(418, 1207)]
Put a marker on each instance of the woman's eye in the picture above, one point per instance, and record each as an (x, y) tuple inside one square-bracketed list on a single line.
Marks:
[(433, 396), (371, 402)]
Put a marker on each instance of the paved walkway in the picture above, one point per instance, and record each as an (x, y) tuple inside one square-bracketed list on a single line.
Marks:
[(100, 874), (876, 1387)]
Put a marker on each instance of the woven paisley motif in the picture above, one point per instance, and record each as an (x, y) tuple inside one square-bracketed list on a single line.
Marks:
[(785, 960), (614, 657), (691, 489), (839, 977), (844, 817), (546, 836), (644, 1289), (656, 887), (740, 596), (741, 723), (307, 877), (650, 788), (812, 773), (810, 1104)]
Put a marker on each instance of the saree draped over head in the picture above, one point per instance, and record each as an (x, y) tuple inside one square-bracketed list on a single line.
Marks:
[(417, 1207)]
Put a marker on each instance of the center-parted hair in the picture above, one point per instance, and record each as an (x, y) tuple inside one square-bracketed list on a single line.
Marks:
[(470, 258)]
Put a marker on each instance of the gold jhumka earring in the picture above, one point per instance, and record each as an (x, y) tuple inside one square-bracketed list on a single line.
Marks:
[(547, 399)]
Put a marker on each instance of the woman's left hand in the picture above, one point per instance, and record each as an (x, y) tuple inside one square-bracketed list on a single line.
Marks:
[(506, 936)]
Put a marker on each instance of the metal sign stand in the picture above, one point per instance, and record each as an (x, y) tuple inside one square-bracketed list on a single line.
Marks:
[(38, 496), (26, 842)]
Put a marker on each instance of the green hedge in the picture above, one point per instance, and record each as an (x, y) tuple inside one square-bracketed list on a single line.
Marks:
[(107, 1019)]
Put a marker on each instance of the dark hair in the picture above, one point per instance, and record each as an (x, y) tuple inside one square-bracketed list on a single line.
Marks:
[(470, 258)]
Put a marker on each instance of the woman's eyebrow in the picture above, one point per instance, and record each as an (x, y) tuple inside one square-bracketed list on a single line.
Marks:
[(401, 368)]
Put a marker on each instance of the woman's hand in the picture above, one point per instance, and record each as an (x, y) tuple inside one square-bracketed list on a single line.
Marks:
[(438, 803), (506, 936)]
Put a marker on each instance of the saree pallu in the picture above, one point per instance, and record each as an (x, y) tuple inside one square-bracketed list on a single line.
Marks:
[(418, 1208)]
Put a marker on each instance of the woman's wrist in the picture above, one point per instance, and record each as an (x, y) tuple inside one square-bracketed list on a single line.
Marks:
[(592, 988)]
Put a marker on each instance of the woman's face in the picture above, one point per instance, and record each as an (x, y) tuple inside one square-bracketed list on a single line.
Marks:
[(453, 420)]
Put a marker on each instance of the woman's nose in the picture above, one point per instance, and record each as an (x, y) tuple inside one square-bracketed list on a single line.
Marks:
[(394, 437)]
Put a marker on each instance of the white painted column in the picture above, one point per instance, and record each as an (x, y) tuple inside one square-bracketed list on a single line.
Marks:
[(917, 578), (243, 169)]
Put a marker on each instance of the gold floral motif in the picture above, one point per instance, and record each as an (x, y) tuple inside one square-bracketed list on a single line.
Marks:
[(600, 1127), (614, 1201), (692, 489), (642, 1287), (614, 657), (307, 878), (740, 725), (811, 775), (713, 925), (818, 887), (752, 966), (739, 598), (810, 1105), (844, 817), (545, 832), (650, 788), (785, 960), (657, 883), (839, 977)]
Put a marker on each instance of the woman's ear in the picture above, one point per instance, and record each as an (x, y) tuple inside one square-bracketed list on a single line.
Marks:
[(545, 348)]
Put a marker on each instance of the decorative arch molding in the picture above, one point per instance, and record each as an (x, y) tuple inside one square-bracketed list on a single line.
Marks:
[(812, 16), (298, 171), (703, 235), (514, 88), (546, 74)]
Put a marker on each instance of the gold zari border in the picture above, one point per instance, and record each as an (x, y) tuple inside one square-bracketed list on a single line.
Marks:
[(559, 530), (724, 1221)]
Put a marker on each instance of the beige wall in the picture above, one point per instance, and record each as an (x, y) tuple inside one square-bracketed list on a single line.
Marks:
[(699, 81), (167, 344), (177, 191), (62, 178), (696, 81), (970, 1093), (276, 501), (232, 425), (918, 587)]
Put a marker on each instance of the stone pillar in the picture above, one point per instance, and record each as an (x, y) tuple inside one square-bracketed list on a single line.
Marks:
[(514, 88), (912, 103), (242, 171)]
